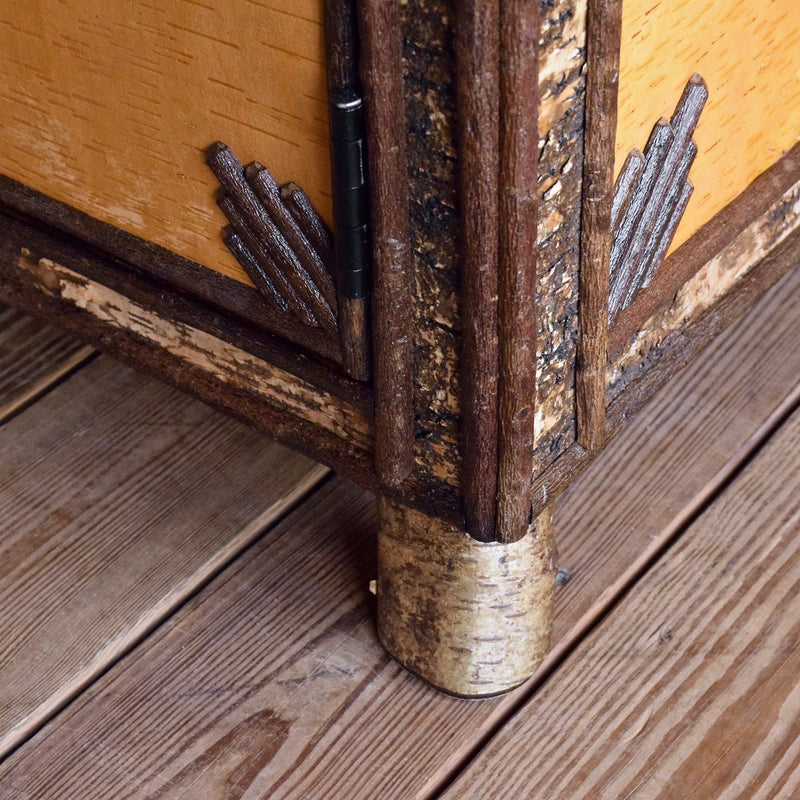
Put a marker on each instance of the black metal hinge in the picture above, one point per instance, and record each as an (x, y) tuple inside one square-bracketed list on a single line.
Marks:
[(350, 209)]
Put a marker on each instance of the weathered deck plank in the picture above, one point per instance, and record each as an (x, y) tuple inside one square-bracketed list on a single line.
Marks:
[(33, 357), (271, 683), (118, 498), (691, 686), (678, 451), (249, 669)]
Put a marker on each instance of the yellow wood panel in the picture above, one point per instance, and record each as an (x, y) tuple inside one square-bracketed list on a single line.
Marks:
[(749, 55), (108, 105)]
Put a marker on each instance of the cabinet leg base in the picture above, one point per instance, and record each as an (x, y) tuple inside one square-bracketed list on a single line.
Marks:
[(471, 619)]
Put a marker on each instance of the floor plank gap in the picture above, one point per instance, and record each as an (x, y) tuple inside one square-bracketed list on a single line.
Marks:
[(34, 359)]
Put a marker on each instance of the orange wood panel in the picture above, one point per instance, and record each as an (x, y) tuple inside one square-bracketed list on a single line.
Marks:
[(749, 55), (108, 106)]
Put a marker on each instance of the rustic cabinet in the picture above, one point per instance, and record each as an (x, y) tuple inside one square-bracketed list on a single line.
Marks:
[(447, 248)]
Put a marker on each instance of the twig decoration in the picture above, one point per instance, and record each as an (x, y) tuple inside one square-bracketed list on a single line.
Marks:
[(650, 196), (278, 239)]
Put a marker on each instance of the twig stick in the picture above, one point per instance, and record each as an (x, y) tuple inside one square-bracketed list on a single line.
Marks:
[(230, 174), (623, 188), (674, 213), (663, 214), (354, 329), (478, 88), (392, 310), (259, 277), (311, 223), (648, 224), (269, 275), (519, 166), (341, 54), (269, 193), (604, 25), (631, 237)]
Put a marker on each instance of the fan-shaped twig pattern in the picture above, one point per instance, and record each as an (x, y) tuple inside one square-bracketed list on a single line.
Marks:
[(279, 240), (650, 196)]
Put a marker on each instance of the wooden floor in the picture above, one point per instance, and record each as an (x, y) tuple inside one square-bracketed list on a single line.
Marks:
[(185, 607)]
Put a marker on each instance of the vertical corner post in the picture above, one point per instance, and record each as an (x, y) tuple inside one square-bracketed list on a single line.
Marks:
[(478, 99), (518, 212), (393, 285)]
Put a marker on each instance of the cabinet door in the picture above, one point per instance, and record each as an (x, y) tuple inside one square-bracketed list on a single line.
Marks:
[(110, 106)]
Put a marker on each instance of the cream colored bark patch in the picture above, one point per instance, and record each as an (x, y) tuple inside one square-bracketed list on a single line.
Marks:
[(236, 367)]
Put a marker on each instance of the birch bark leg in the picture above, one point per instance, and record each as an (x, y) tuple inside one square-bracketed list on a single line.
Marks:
[(471, 618)]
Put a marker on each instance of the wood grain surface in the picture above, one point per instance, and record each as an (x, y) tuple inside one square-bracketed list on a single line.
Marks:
[(110, 107), (33, 357), (118, 498), (690, 687), (286, 693), (748, 55), (215, 698)]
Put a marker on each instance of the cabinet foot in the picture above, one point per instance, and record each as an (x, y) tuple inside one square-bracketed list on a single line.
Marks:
[(472, 619)]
